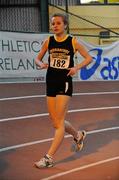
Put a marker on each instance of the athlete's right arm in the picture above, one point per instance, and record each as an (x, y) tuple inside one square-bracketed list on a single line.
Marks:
[(41, 54)]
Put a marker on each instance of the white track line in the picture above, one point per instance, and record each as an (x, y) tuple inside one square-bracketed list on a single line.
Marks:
[(74, 94), (50, 139), (81, 168), (21, 97), (46, 114), (24, 117)]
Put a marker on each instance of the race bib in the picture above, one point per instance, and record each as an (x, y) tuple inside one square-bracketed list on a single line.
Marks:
[(60, 61)]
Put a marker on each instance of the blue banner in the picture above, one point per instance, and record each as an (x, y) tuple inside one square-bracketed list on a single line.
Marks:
[(105, 65)]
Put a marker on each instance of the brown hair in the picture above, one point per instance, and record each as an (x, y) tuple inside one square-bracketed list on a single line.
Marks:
[(63, 16)]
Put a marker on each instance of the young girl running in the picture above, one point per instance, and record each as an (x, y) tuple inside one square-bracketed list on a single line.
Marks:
[(60, 69)]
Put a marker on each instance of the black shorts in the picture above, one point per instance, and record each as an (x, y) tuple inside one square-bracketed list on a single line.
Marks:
[(59, 88)]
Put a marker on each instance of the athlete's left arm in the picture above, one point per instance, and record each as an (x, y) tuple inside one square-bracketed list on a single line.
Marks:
[(83, 52)]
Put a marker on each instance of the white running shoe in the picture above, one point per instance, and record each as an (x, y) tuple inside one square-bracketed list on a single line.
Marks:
[(44, 162), (79, 142)]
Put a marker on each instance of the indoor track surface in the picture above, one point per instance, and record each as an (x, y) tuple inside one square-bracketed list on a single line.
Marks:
[(26, 133)]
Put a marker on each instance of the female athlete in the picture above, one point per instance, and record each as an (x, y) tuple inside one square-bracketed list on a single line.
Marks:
[(60, 69)]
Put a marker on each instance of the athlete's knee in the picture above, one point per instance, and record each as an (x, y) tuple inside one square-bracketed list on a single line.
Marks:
[(58, 124)]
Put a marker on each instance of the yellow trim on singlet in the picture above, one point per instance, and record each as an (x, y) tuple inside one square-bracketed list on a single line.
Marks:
[(61, 39), (73, 44), (48, 39)]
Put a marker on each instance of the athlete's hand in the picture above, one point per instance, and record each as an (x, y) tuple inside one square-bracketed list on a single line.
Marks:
[(72, 71), (41, 64), (44, 66)]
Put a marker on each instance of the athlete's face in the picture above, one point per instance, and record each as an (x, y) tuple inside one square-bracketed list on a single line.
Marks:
[(58, 25)]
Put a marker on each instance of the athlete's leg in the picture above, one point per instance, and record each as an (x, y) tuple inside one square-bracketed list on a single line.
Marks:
[(78, 136), (70, 129), (57, 107)]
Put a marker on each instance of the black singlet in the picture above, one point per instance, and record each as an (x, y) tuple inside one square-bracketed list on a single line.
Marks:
[(60, 59)]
